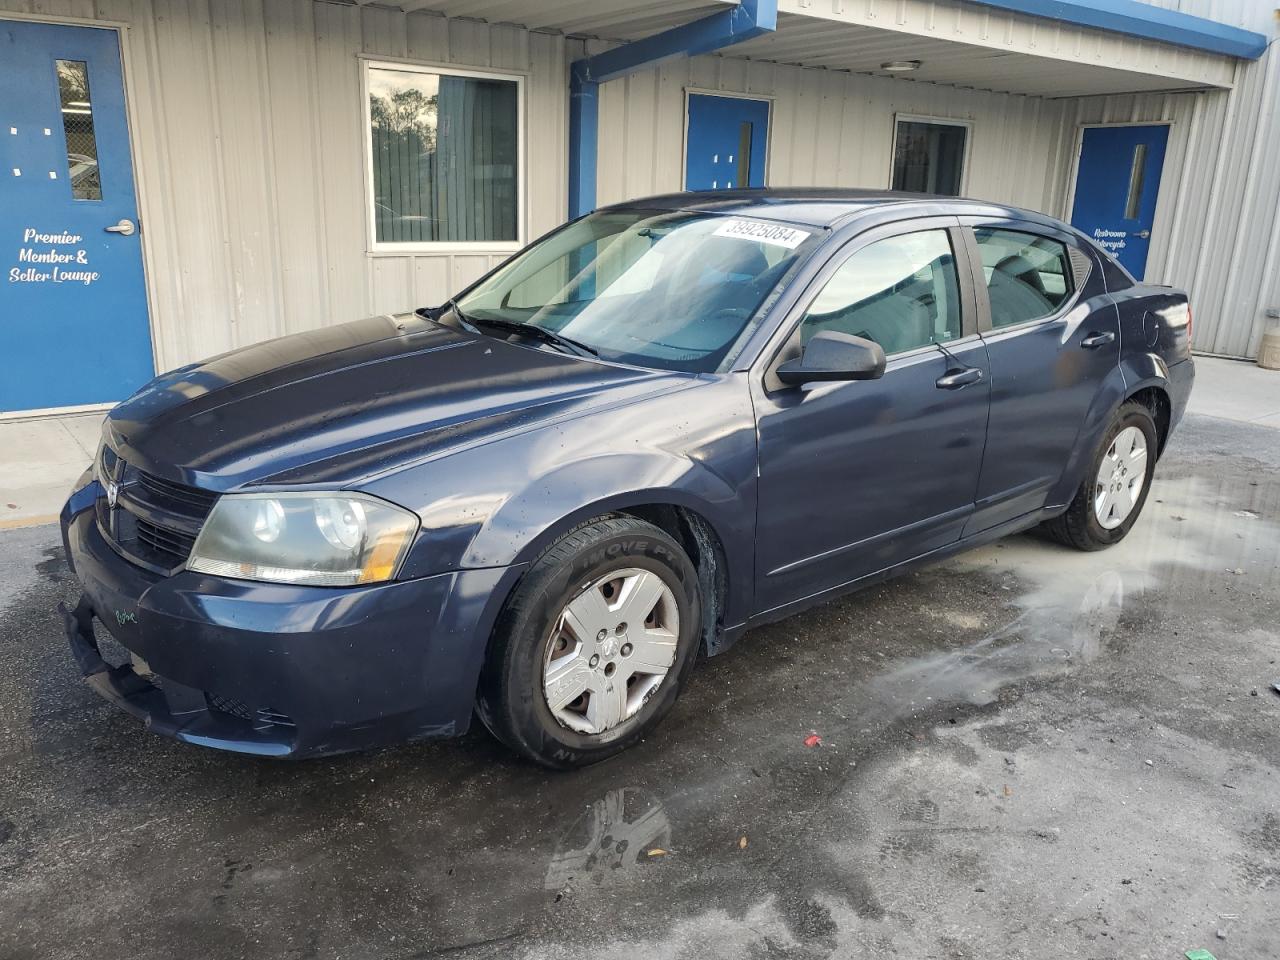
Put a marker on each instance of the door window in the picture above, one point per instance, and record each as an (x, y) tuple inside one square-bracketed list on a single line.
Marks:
[(902, 292), (77, 124), (1028, 276)]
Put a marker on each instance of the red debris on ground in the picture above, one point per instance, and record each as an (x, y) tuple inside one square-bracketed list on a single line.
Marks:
[(812, 740)]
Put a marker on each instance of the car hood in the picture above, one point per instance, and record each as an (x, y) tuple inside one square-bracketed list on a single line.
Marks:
[(344, 403)]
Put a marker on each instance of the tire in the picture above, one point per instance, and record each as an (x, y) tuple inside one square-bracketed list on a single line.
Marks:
[(1080, 526), (534, 633)]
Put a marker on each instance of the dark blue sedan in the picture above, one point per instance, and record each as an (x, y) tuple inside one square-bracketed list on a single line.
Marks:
[(651, 430)]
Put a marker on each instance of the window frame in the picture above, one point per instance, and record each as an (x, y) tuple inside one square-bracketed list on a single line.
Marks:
[(899, 118), (375, 247), (985, 327), (784, 344)]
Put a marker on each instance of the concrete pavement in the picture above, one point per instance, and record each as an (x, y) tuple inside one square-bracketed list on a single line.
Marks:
[(1026, 752), (1234, 390), (39, 461)]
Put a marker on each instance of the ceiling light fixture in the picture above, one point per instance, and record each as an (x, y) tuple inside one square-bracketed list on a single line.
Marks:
[(900, 66)]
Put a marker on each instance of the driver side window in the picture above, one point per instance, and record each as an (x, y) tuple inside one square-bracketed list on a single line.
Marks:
[(902, 292)]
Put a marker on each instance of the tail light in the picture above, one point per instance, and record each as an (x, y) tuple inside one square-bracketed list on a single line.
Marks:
[(1188, 324)]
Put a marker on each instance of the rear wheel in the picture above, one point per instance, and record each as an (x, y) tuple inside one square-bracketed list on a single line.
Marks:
[(594, 644), (1115, 487)]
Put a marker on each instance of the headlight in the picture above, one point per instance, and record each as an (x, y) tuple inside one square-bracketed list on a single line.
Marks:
[(321, 539)]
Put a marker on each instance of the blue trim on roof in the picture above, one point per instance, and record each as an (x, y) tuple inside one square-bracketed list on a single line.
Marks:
[(1136, 19), (750, 18)]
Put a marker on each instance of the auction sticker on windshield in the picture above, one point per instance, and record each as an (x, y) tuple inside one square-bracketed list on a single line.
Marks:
[(773, 233)]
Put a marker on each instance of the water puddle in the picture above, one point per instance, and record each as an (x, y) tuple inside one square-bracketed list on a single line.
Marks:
[(612, 841), (1194, 532)]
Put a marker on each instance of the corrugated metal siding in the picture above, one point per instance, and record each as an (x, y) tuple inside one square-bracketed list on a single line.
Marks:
[(1222, 239), (250, 157), (829, 128)]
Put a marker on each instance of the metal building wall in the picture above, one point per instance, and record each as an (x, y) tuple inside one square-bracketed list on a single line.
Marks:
[(249, 148), (249, 139), (828, 128), (1217, 229)]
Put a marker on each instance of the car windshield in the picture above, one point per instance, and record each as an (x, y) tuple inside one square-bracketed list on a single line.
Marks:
[(677, 290)]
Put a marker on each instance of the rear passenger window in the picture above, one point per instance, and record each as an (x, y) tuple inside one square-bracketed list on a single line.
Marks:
[(901, 292), (1028, 276)]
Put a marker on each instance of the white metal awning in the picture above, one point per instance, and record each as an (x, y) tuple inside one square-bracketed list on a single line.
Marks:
[(956, 43), (968, 45), (610, 19)]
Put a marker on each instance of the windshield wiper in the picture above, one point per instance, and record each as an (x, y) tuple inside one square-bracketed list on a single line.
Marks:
[(452, 304), (531, 330)]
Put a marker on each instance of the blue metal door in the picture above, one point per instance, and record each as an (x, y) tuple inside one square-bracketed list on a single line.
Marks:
[(73, 305), (1117, 183), (726, 143)]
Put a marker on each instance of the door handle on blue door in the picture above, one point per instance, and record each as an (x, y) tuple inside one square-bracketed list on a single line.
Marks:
[(961, 378), (1095, 340)]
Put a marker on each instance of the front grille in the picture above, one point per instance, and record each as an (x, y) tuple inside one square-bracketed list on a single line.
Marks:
[(155, 521), (235, 708), (260, 718), (159, 540), (190, 498)]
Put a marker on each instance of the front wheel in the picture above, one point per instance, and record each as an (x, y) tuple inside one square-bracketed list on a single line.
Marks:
[(1115, 488), (594, 644)]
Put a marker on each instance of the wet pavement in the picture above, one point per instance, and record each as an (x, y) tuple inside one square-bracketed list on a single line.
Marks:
[(1025, 752)]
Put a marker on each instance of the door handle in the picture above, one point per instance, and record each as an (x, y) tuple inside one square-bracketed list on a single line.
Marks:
[(125, 228), (1143, 234), (1095, 340), (961, 378)]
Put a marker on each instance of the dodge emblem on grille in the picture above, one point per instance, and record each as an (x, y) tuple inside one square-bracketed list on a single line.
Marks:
[(113, 493)]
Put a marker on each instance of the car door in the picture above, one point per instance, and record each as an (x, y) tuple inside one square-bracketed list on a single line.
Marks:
[(1052, 337), (858, 476)]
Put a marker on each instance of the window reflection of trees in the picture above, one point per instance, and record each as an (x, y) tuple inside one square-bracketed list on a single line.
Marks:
[(444, 155)]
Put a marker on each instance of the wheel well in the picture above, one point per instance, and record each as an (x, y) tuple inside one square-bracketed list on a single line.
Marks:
[(702, 544), (1157, 401)]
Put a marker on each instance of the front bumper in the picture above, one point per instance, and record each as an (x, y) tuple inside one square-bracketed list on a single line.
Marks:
[(273, 669)]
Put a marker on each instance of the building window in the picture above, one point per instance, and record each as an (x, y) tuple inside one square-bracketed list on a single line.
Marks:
[(928, 155), (445, 157)]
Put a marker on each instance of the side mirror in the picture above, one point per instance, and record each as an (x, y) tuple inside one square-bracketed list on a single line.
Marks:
[(834, 356)]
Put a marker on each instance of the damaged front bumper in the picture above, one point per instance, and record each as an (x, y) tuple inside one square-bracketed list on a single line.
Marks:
[(170, 708), (274, 669)]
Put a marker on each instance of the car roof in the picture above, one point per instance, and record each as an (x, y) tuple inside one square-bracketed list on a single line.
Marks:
[(823, 206)]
